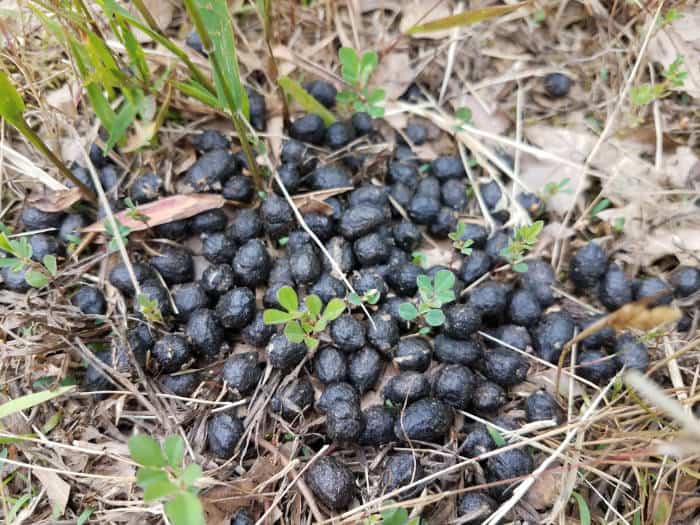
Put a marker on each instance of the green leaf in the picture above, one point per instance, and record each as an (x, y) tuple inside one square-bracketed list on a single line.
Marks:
[(353, 298), (6, 244), (334, 309), (174, 448), (145, 476), (602, 205), (424, 331), (159, 489), (273, 316), (216, 18), (465, 18), (496, 436), (320, 326), (642, 95), (368, 64), (435, 317), (464, 114), (397, 516), (584, 512), (185, 509), (11, 103), (84, 516), (520, 267), (349, 64), (346, 97), (375, 111), (376, 96), (408, 312), (311, 343), (314, 304), (198, 92), (10, 262), (306, 100), (373, 296), (444, 280), (287, 297), (146, 451), (445, 297), (36, 279), (618, 224), (191, 474), (120, 125), (294, 332), (31, 400), (50, 264), (425, 283)]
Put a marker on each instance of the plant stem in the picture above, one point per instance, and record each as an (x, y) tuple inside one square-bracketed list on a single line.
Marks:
[(32, 137), (274, 70), (235, 115), (179, 53)]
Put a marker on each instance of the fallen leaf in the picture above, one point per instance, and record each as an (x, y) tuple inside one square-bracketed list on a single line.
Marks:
[(417, 11), (465, 18), (545, 490), (57, 490), (164, 210), (495, 121), (394, 74), (565, 143), (57, 200), (680, 38), (314, 201)]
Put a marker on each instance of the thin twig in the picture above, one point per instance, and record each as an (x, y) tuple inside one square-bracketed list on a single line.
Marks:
[(519, 492)]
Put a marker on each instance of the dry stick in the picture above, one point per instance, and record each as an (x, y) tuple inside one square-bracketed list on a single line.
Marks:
[(484, 209), (303, 487), (519, 492), (308, 230), (556, 252), (451, 52), (125, 257)]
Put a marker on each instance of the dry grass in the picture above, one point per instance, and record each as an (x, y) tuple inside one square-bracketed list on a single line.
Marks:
[(630, 461)]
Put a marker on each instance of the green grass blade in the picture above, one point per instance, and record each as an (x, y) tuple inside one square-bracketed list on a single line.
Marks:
[(198, 92), (111, 8), (464, 19), (305, 100), (216, 19), (31, 400), (11, 103), (584, 512), (125, 118), (136, 54)]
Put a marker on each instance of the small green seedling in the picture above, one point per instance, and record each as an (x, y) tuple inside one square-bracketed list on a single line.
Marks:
[(124, 231), (669, 17), (618, 224), (524, 240), (433, 295), (162, 476), (134, 212), (303, 325), (356, 71), (463, 246), (149, 308), (464, 115), (369, 297), (20, 258), (603, 204), (554, 188), (393, 516), (643, 94), (419, 259)]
